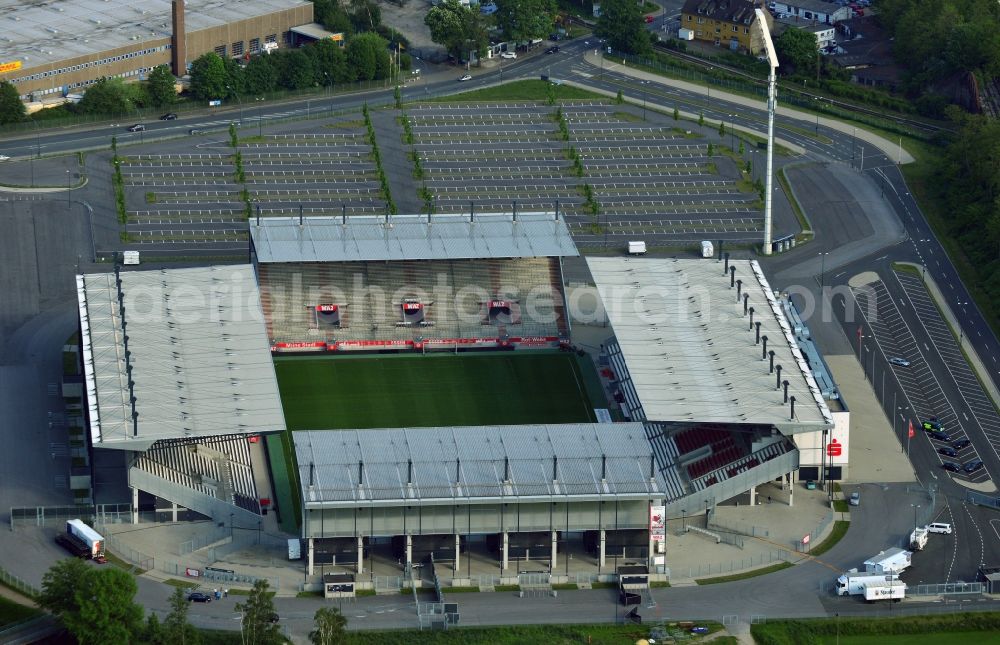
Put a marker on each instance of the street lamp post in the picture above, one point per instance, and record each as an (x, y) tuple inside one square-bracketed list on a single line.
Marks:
[(822, 269), (915, 507), (67, 187), (961, 332), (260, 116)]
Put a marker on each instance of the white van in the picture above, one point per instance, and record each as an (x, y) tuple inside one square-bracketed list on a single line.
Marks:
[(939, 527)]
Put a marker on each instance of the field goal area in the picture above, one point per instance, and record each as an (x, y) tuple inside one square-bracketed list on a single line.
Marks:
[(403, 390)]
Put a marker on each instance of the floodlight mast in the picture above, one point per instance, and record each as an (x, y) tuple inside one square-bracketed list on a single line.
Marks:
[(772, 97)]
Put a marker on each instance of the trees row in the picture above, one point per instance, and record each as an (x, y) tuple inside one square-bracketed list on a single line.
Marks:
[(323, 63), (97, 605)]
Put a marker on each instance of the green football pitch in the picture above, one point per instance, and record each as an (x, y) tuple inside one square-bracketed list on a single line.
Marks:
[(329, 393), (320, 393)]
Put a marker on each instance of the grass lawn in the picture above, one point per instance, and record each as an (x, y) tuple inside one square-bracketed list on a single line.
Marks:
[(435, 390), (746, 574), (11, 612), (508, 635), (938, 638), (528, 90), (505, 388), (839, 531), (981, 627)]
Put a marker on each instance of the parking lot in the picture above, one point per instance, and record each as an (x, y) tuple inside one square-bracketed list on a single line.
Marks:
[(614, 171), (194, 197), (613, 175), (889, 335)]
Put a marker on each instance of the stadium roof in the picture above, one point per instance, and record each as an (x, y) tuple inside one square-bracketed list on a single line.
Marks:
[(462, 464), (410, 237), (690, 351), (40, 32), (201, 363)]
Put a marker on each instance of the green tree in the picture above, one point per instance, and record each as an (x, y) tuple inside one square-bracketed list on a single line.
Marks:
[(365, 15), (677, 114), (330, 625), (326, 56), (11, 107), (368, 55), (106, 613), (621, 22), (525, 20), (797, 51), (106, 96), (209, 78), (176, 629), (160, 86), (256, 626), (701, 119), (152, 632), (332, 16), (59, 585), (260, 75), (722, 129), (296, 70), (458, 29)]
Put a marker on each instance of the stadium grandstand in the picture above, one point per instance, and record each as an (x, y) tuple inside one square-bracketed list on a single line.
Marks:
[(412, 282), (703, 353), (179, 378)]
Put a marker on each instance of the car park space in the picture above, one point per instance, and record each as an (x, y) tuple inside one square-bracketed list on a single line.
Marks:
[(936, 418)]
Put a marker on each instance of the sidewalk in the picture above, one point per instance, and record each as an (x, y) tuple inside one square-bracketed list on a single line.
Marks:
[(890, 149)]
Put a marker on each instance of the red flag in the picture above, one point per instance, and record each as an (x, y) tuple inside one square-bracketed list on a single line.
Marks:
[(911, 432)]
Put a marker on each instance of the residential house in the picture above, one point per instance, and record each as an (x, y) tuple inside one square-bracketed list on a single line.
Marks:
[(865, 50), (825, 34), (725, 23), (811, 10)]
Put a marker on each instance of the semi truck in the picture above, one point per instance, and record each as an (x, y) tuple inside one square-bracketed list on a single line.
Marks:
[(918, 538), (885, 590), (88, 542), (855, 583), (894, 560)]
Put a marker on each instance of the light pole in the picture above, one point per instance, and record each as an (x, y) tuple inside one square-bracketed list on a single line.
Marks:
[(853, 136), (260, 116), (915, 507), (67, 187), (958, 320), (822, 269)]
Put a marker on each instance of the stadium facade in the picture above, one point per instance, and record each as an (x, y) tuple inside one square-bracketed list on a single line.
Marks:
[(699, 357), (57, 47)]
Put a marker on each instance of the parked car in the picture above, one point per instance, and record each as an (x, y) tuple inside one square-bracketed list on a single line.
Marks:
[(939, 527), (895, 360), (465, 77), (940, 436), (973, 466), (810, 485), (961, 443), (948, 451), (951, 466), (4, 158), (198, 596), (649, 19), (932, 425), (508, 55), (855, 499), (138, 127), (552, 50), (273, 618), (169, 116)]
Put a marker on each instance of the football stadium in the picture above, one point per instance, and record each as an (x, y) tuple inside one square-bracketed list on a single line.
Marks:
[(405, 389)]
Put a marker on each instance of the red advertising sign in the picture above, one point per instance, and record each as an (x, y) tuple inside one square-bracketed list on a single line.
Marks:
[(366, 344), (314, 346), (805, 539), (499, 303), (326, 308), (460, 341), (192, 573), (834, 449), (412, 306), (534, 340)]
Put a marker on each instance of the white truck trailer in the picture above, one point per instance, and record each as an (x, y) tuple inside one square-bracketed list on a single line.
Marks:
[(885, 590), (87, 536), (892, 560), (918, 538), (853, 583)]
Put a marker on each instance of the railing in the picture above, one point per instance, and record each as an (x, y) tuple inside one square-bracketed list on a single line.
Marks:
[(202, 541), (136, 558), (738, 527), (816, 532), (712, 569), (17, 584), (980, 499), (946, 589)]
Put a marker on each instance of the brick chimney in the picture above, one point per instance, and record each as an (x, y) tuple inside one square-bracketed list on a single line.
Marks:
[(178, 51)]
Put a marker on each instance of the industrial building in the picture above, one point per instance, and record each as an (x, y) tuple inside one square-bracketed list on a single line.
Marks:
[(56, 47)]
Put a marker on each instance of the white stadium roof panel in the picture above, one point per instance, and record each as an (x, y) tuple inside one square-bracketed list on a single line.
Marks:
[(199, 353), (410, 237), (447, 464), (691, 351)]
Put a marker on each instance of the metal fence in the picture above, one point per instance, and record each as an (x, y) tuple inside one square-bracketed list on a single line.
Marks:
[(134, 557), (738, 527), (982, 500), (55, 515), (803, 546), (202, 541), (733, 566), (946, 589), (17, 584)]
